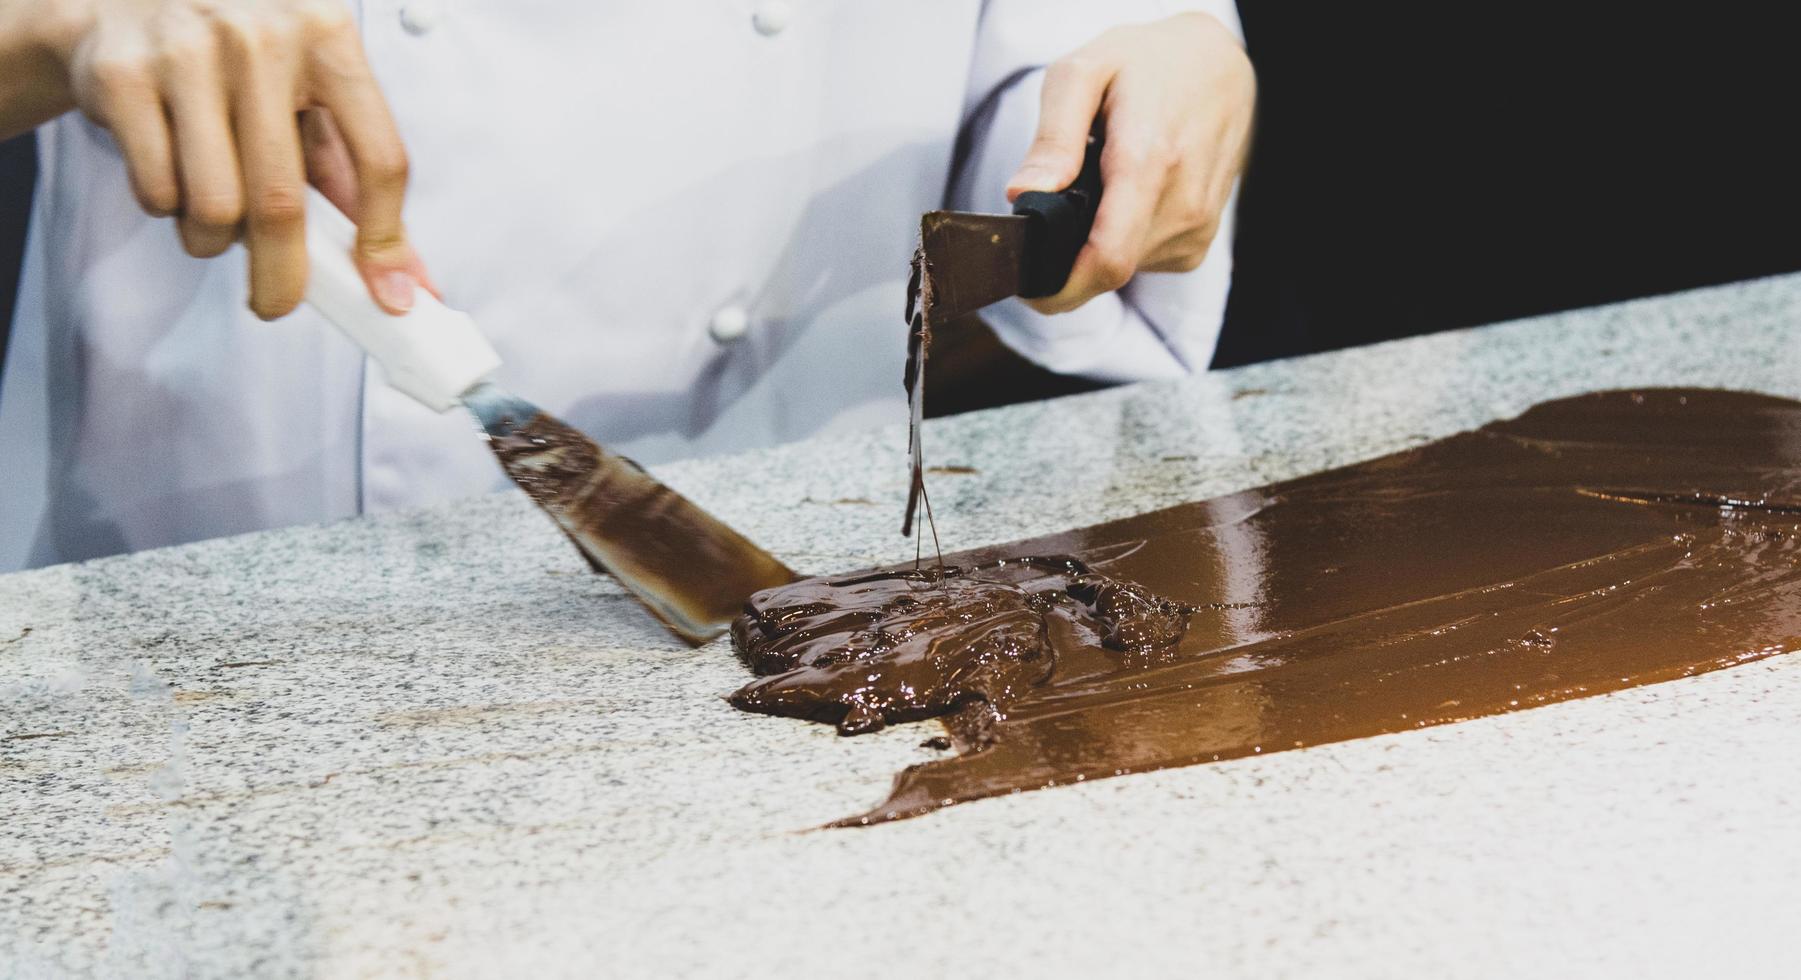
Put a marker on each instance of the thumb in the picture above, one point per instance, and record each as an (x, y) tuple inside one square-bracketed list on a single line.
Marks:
[(1073, 89)]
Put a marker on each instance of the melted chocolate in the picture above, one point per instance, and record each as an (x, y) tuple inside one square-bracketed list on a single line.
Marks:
[(1591, 544), (548, 459), (897, 646)]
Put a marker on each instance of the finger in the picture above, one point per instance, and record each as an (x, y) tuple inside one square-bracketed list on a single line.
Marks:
[(1073, 89), (1132, 180), (1183, 253), (345, 86), (329, 168), (423, 277), (268, 140), (212, 191), (1186, 221), (327, 160), (122, 95)]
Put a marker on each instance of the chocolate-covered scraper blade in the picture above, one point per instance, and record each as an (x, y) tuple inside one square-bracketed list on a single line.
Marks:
[(966, 261), (689, 568), (975, 260), (972, 260)]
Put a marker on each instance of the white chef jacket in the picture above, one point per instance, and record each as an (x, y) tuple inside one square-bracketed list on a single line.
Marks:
[(684, 225)]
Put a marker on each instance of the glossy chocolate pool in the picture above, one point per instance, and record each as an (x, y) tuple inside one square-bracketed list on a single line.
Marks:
[(1593, 543)]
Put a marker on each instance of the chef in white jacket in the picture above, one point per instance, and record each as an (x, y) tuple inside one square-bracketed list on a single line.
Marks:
[(685, 226)]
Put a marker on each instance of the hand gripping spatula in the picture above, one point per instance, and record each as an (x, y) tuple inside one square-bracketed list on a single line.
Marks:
[(686, 566)]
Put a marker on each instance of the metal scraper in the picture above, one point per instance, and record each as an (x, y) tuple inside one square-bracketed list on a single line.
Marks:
[(686, 566), (966, 261), (970, 260)]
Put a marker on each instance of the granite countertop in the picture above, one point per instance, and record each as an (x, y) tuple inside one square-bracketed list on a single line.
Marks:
[(432, 743)]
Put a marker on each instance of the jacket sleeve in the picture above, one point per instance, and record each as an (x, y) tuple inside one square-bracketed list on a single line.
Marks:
[(1161, 324)]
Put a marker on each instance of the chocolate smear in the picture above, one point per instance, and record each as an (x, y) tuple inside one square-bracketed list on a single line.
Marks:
[(688, 569), (898, 646), (1591, 544)]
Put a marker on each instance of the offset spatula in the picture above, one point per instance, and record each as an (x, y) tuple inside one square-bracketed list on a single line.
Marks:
[(688, 567)]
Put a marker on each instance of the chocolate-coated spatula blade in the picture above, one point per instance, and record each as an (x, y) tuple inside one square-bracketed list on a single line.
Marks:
[(689, 568)]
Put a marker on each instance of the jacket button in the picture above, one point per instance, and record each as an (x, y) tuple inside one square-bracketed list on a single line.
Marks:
[(770, 18), (729, 323), (419, 16)]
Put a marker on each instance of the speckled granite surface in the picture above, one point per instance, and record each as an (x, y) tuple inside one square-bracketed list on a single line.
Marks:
[(433, 744)]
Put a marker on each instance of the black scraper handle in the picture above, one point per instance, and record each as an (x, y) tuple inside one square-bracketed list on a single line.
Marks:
[(1060, 224)]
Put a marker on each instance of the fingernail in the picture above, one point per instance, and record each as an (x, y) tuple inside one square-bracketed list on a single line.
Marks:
[(395, 290)]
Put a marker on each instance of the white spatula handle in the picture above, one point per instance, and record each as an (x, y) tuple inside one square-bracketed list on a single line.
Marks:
[(432, 353)]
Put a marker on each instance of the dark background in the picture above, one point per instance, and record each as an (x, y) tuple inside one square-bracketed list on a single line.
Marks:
[(1423, 166), (18, 167)]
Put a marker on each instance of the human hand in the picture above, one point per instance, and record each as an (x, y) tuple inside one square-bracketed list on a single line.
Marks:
[(1176, 98), (224, 109)]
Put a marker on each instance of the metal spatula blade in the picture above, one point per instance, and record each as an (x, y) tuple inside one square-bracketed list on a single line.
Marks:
[(689, 568)]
